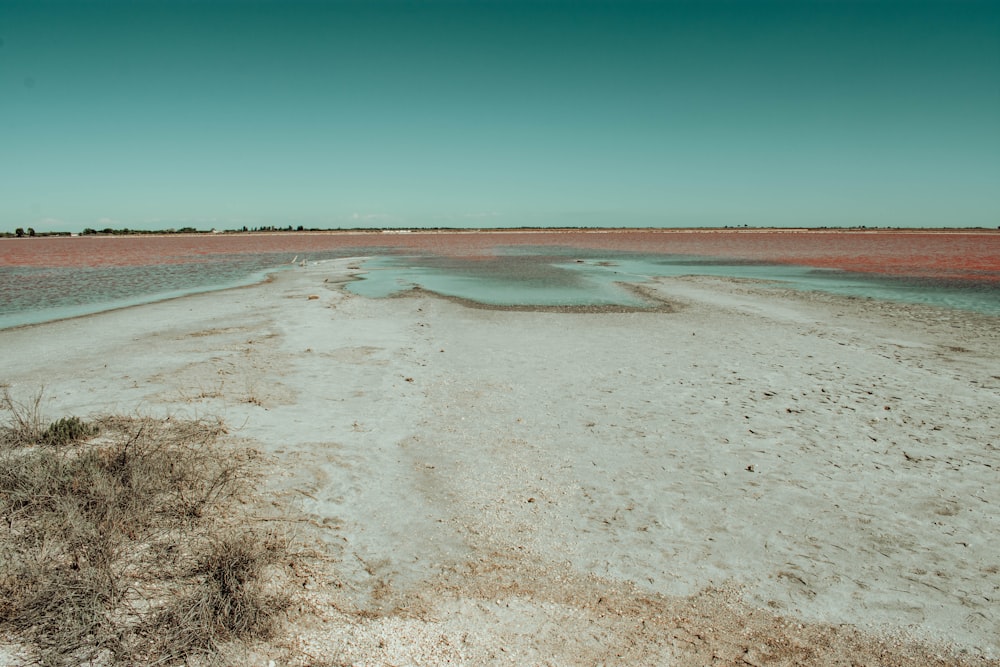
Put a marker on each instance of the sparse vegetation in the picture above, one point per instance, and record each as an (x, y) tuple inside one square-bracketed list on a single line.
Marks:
[(68, 430), (230, 601), (24, 420), (122, 542)]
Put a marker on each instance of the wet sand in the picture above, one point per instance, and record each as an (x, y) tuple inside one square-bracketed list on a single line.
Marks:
[(744, 475)]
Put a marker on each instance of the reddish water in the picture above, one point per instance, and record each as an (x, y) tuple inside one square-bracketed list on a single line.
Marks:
[(951, 255)]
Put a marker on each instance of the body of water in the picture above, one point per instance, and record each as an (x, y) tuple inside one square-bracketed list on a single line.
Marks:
[(43, 279), (595, 279)]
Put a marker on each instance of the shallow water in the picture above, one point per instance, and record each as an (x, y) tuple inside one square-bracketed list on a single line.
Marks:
[(50, 278), (32, 295), (585, 278)]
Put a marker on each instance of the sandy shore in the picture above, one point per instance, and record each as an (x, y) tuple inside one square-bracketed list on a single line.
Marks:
[(758, 477)]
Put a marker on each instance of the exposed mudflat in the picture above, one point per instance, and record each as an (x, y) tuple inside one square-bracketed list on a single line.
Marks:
[(743, 475)]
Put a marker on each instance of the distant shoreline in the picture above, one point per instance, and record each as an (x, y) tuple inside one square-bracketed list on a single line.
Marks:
[(34, 273), (511, 230)]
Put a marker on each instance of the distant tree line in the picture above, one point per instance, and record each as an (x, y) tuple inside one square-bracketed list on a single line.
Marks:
[(22, 232)]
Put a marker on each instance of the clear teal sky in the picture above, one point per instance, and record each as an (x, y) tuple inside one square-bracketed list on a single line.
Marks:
[(153, 114)]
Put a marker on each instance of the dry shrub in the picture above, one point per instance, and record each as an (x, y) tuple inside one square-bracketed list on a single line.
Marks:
[(108, 540), (24, 425), (232, 594), (228, 599), (62, 610)]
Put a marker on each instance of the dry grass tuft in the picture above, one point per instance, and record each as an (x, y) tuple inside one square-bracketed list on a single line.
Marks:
[(109, 550), (24, 425), (228, 601)]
